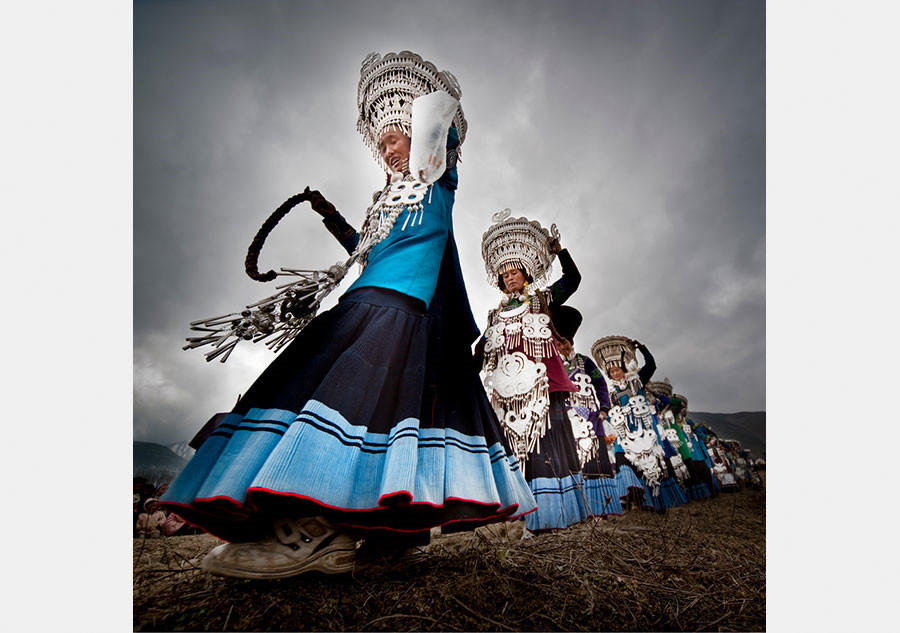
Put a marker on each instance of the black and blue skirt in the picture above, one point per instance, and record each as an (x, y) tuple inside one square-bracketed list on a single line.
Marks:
[(694, 486), (373, 417), (600, 489), (553, 472), (630, 486)]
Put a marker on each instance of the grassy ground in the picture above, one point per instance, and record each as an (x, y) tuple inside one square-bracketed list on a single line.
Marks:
[(700, 567)]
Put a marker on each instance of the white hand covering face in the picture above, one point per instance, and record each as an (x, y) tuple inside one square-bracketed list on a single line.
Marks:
[(432, 115)]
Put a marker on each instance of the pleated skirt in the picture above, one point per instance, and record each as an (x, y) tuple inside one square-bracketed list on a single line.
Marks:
[(554, 474), (629, 485), (600, 487), (670, 495), (373, 417), (694, 486)]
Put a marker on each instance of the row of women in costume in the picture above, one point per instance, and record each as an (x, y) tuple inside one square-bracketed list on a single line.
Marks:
[(733, 466), (589, 436), (372, 426)]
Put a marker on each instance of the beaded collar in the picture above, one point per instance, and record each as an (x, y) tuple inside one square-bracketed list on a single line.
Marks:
[(514, 300)]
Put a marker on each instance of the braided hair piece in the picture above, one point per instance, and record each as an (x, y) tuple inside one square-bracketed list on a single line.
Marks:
[(252, 259), (279, 318)]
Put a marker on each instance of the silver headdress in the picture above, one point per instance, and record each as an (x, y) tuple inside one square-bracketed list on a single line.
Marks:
[(682, 412), (517, 243), (387, 87), (661, 387), (614, 350)]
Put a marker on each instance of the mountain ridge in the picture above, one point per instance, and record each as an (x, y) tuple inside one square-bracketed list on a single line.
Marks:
[(155, 461), (747, 427)]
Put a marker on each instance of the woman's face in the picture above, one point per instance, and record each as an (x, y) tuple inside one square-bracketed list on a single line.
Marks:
[(394, 150), (616, 373), (564, 346), (513, 280)]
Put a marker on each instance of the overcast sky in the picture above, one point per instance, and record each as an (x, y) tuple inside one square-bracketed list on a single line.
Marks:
[(637, 127)]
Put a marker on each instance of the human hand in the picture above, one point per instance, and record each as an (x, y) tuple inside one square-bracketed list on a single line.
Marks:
[(319, 204), (433, 165), (553, 246)]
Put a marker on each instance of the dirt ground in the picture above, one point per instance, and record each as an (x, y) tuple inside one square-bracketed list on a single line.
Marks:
[(700, 567)]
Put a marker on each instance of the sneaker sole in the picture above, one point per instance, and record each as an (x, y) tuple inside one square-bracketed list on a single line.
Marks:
[(331, 562)]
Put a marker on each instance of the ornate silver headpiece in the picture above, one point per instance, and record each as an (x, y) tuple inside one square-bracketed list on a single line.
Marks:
[(517, 243), (387, 87), (613, 350), (662, 387)]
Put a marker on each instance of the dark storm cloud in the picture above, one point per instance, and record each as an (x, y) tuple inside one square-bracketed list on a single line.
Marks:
[(637, 127)]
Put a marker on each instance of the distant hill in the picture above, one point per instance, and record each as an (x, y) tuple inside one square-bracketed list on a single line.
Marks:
[(156, 462), (747, 427)]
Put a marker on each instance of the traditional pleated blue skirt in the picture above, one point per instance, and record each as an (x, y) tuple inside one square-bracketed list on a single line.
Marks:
[(602, 496), (694, 485), (670, 495), (553, 473), (373, 417), (601, 492), (629, 485), (696, 491)]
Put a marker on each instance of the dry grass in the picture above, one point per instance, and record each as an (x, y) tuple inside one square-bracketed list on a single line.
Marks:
[(700, 567)]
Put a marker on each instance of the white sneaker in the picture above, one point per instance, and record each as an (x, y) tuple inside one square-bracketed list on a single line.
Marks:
[(302, 545)]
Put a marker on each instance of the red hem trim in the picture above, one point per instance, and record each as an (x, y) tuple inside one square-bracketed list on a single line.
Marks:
[(521, 514), (497, 515), (381, 500)]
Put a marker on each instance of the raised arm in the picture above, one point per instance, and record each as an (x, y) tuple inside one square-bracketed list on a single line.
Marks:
[(334, 222), (599, 383), (565, 286), (341, 229), (646, 372)]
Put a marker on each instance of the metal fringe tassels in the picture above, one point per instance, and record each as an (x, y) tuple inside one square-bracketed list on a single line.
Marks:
[(277, 319)]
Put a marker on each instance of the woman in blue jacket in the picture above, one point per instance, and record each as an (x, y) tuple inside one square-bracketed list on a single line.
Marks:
[(372, 424)]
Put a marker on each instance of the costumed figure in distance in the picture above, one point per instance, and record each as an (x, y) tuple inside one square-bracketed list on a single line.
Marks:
[(702, 433), (701, 464), (587, 409), (722, 467), (524, 373), (639, 445), (660, 395)]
